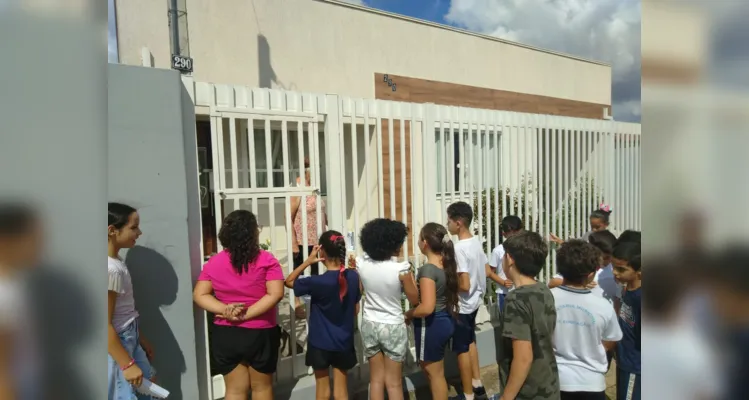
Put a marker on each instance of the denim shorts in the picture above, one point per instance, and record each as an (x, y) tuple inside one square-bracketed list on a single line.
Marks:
[(119, 388)]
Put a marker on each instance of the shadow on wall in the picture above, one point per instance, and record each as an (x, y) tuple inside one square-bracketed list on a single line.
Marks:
[(63, 321), (267, 77), (155, 285)]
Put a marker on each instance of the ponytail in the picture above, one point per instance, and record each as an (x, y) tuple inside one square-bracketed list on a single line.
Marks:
[(334, 245)]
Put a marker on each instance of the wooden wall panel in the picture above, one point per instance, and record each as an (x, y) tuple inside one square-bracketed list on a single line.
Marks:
[(417, 90), (398, 170)]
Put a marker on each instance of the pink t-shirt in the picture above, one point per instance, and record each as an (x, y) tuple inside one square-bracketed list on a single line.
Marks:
[(248, 288)]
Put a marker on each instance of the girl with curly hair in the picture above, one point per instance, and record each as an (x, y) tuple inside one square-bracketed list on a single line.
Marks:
[(334, 303), (438, 305), (242, 286), (385, 279)]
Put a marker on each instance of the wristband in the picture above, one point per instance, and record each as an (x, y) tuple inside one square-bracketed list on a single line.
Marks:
[(130, 364)]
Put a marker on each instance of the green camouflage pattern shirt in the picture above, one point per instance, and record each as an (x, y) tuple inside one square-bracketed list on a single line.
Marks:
[(530, 315)]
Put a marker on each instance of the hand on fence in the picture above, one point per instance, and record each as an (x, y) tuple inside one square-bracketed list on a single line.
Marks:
[(313, 256), (592, 284), (352, 261), (507, 283), (554, 238)]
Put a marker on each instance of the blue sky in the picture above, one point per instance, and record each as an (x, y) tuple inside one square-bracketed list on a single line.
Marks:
[(604, 30)]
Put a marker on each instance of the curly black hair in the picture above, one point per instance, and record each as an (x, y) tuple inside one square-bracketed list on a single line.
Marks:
[(576, 260), (239, 236), (528, 250), (382, 238)]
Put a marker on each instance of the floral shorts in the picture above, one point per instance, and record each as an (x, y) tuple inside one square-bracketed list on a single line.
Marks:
[(119, 388), (390, 339)]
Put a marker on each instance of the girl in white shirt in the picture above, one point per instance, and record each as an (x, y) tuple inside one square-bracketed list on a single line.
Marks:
[(384, 280), (129, 353)]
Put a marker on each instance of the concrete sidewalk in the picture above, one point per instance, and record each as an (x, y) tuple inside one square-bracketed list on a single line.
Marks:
[(490, 377)]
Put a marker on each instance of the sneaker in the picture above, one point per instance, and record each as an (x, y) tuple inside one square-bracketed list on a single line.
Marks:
[(479, 393)]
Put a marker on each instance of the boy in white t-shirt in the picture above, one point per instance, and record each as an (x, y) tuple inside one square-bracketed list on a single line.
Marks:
[(510, 225), (471, 288), (587, 326)]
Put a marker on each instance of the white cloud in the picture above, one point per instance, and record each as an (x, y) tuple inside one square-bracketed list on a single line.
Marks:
[(605, 30)]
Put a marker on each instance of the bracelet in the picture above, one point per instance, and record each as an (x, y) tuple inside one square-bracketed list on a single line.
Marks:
[(132, 362)]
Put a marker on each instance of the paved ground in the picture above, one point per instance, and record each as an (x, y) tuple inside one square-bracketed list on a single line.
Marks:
[(490, 377)]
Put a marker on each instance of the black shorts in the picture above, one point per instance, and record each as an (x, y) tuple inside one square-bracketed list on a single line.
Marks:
[(583, 395), (323, 359), (233, 345), (465, 332)]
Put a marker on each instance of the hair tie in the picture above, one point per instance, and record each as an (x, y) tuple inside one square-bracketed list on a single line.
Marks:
[(604, 207), (446, 239), (342, 284)]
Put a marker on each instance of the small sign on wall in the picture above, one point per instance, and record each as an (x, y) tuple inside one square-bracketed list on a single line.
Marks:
[(182, 63)]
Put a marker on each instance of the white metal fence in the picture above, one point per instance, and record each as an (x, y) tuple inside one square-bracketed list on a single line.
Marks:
[(375, 158)]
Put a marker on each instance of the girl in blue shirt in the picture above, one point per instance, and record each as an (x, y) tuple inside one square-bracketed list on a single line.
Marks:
[(334, 302)]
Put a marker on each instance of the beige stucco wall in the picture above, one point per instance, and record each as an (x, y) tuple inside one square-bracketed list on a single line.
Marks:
[(326, 47)]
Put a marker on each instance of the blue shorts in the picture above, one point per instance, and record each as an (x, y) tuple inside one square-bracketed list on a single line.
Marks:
[(465, 332), (432, 335), (119, 388), (627, 385)]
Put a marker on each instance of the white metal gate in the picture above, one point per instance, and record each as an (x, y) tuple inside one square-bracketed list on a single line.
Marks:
[(405, 161)]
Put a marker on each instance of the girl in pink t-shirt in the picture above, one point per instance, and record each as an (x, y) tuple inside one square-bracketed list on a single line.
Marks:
[(242, 286)]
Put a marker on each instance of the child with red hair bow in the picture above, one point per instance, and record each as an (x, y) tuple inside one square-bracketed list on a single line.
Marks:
[(334, 302)]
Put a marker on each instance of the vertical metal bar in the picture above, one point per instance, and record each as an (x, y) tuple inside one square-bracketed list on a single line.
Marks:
[(380, 173), (528, 166), (289, 269), (285, 153), (314, 139), (404, 188), (462, 159), (497, 167), (342, 175), (367, 144), (566, 186), (268, 156), (391, 173), (300, 151), (217, 168), (547, 182), (243, 155), (251, 149), (416, 215), (445, 168), (514, 161), (233, 152), (555, 178), (355, 171)]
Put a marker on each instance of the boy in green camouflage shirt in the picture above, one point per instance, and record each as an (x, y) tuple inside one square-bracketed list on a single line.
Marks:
[(527, 367)]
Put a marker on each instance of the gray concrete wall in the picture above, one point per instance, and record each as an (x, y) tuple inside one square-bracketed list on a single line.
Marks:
[(153, 167)]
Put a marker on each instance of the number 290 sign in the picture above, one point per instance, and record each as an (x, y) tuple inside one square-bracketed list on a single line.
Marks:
[(182, 63)]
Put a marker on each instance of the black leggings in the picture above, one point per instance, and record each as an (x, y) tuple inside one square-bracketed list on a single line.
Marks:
[(583, 396), (299, 260)]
